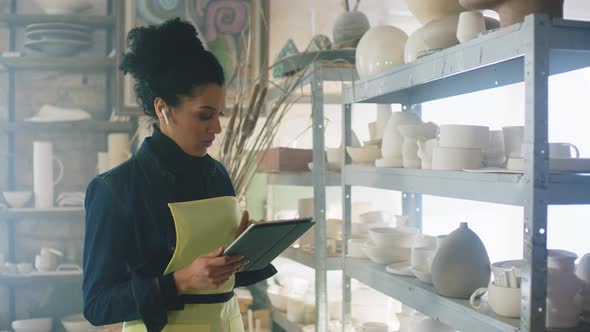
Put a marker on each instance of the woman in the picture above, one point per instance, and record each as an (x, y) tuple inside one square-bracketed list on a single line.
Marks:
[(156, 225)]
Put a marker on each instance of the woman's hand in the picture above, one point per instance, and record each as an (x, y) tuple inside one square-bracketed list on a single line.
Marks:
[(244, 223), (209, 271)]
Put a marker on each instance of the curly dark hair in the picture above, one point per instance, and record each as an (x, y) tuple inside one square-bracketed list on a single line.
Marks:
[(168, 61)]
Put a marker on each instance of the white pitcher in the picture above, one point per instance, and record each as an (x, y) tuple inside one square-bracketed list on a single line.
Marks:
[(43, 177)]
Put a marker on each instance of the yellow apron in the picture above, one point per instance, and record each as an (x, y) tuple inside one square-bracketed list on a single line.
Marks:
[(201, 227)]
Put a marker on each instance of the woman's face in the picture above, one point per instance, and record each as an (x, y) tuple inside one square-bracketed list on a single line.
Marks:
[(194, 123)]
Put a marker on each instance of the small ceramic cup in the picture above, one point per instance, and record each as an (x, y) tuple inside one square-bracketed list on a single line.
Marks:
[(563, 151), (471, 24), (24, 267), (504, 301)]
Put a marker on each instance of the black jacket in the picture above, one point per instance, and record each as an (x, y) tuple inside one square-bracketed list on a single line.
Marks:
[(130, 235)]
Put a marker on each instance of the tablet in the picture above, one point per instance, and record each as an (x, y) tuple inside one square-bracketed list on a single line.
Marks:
[(262, 242)]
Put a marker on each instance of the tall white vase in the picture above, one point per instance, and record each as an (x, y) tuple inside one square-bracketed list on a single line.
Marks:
[(43, 181), (391, 147)]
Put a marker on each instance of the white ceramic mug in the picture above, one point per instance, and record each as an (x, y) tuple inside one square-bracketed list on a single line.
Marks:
[(563, 151), (471, 24), (504, 301)]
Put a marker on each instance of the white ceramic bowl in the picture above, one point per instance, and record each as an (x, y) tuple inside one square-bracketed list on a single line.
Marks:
[(456, 159), (355, 248), (423, 273), (63, 7), (423, 240), (462, 136), (365, 155), (32, 325), (376, 217), (17, 199), (393, 236), (77, 323), (380, 49), (386, 255)]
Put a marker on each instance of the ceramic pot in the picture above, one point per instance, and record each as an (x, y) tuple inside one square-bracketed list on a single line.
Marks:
[(414, 45), (429, 10), (392, 145), (411, 134), (514, 11), (380, 49), (461, 265), (563, 290), (349, 28)]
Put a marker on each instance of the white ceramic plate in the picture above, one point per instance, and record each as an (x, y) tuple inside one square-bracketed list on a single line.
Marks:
[(57, 47), (401, 269), (58, 34), (422, 274)]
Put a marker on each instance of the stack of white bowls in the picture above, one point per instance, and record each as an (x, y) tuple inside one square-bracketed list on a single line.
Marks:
[(460, 147), (389, 245)]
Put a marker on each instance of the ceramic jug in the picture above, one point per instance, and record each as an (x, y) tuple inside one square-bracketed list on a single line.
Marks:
[(564, 290), (391, 147), (461, 265), (514, 11), (411, 135), (425, 148)]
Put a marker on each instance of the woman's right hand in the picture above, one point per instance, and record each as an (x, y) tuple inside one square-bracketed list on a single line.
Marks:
[(208, 271)]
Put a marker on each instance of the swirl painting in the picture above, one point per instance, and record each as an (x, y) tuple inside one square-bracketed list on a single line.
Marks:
[(228, 28)]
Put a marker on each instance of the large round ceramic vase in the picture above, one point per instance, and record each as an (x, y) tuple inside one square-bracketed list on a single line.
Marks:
[(391, 147), (414, 45), (564, 290), (380, 49), (461, 264), (349, 28), (514, 11), (429, 10)]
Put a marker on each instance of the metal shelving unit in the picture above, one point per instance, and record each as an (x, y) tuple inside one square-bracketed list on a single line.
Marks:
[(319, 178), (14, 65), (529, 52)]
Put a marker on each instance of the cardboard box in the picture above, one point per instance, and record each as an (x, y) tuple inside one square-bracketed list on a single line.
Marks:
[(277, 160)]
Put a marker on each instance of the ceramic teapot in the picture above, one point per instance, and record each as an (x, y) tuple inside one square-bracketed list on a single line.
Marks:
[(514, 11)]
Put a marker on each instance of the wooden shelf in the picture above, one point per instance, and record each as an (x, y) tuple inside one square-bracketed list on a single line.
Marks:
[(97, 22)]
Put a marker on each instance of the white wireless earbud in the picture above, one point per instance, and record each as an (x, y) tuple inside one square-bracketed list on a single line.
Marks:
[(164, 111)]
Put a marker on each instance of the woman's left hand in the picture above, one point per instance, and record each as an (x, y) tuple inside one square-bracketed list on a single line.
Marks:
[(244, 223)]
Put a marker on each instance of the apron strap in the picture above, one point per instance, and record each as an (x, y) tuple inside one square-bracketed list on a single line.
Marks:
[(206, 298)]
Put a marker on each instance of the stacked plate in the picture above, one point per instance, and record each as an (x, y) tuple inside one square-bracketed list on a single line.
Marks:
[(58, 39)]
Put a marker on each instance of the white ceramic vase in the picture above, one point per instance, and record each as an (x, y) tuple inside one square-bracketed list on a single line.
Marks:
[(429, 10), (411, 135), (380, 49), (414, 45), (470, 25), (43, 175), (425, 150), (349, 28), (564, 290), (441, 33), (461, 264), (392, 146)]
